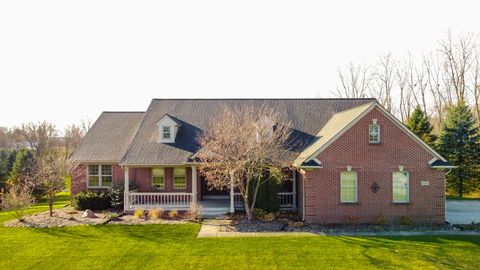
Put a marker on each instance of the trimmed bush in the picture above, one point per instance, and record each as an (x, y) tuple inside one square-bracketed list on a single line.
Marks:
[(92, 201), (155, 213), (267, 196)]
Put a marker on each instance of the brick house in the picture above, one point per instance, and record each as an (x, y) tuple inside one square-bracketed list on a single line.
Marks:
[(354, 161)]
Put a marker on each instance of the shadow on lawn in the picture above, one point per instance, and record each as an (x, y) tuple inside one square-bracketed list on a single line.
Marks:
[(425, 247), (154, 233)]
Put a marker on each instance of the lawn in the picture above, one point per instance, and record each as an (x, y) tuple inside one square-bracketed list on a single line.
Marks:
[(176, 247)]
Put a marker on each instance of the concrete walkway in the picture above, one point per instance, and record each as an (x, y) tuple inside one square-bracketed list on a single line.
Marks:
[(211, 228), (463, 211)]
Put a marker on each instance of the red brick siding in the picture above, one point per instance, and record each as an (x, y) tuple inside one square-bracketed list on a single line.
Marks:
[(142, 176), (374, 163)]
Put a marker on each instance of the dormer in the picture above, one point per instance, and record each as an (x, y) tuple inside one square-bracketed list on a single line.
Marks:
[(167, 129)]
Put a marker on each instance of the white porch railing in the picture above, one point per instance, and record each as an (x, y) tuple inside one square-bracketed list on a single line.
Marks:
[(147, 200), (285, 199)]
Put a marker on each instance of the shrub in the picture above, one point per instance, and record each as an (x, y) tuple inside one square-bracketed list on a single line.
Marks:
[(116, 194), (111, 216), (194, 211), (92, 201), (353, 220), (404, 220), (296, 224), (380, 220), (267, 195), (17, 200), (269, 217), (173, 214), (139, 213), (155, 213), (259, 213)]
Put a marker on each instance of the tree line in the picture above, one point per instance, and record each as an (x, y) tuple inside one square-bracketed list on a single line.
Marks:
[(34, 162), (437, 96)]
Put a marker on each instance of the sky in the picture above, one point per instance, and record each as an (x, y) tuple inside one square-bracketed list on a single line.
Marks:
[(64, 61)]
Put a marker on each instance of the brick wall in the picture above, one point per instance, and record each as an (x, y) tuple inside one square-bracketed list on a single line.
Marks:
[(374, 163), (143, 177)]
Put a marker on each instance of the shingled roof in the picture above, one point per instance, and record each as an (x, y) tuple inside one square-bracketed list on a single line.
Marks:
[(307, 116), (108, 138)]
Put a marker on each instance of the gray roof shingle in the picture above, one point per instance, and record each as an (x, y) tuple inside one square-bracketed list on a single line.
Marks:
[(307, 117), (108, 138)]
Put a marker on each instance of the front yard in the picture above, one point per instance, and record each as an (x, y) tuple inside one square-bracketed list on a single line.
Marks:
[(176, 247)]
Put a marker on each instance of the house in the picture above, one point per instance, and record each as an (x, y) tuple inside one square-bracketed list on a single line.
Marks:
[(354, 160)]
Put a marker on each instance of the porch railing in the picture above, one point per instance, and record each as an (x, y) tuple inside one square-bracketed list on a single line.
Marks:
[(164, 200), (285, 199)]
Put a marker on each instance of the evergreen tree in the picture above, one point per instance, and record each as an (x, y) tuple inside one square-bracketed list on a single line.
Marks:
[(7, 158), (459, 143), (23, 164), (420, 125)]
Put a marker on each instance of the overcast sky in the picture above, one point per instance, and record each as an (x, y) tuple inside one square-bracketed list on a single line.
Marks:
[(63, 61)]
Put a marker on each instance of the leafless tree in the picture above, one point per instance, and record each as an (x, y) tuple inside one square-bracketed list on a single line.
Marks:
[(41, 136), (459, 57), (383, 81), (405, 96), (86, 124), (51, 172), (354, 81), (240, 146), (72, 137)]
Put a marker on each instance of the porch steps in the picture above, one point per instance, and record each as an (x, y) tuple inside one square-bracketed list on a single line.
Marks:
[(215, 212)]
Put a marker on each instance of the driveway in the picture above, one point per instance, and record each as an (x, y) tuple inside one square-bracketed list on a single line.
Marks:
[(463, 211)]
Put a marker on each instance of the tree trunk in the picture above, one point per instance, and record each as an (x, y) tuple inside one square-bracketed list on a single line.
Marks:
[(248, 211), (50, 203)]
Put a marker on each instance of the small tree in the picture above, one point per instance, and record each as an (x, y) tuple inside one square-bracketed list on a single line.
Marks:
[(17, 200), (420, 125), (51, 173), (459, 143), (243, 147)]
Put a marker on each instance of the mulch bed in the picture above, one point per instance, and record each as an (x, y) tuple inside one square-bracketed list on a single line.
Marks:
[(285, 225), (70, 217)]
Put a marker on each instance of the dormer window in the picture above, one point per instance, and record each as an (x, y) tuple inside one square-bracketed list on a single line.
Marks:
[(374, 133), (166, 133), (168, 127)]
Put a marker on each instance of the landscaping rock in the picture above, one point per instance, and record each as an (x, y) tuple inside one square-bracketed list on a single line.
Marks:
[(89, 214)]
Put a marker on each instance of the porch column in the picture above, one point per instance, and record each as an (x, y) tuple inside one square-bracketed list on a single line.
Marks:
[(232, 195), (194, 184), (126, 190), (294, 190)]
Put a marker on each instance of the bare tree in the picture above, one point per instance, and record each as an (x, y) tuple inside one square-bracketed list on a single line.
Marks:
[(51, 173), (86, 124), (459, 56), (41, 136), (383, 81), (354, 81), (240, 146), (73, 136)]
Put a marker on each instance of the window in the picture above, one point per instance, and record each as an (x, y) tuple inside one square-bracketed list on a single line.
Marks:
[(348, 187), (99, 176), (179, 178), (374, 132), (158, 178), (166, 131), (400, 187)]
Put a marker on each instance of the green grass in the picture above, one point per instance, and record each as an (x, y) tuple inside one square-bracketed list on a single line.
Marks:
[(470, 196), (176, 247)]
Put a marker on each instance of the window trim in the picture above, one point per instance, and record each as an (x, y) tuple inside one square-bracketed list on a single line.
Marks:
[(164, 179), (408, 188), (185, 177), (100, 175), (169, 133), (370, 134), (356, 187)]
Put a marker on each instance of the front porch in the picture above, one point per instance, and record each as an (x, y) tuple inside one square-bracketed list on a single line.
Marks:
[(215, 204)]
